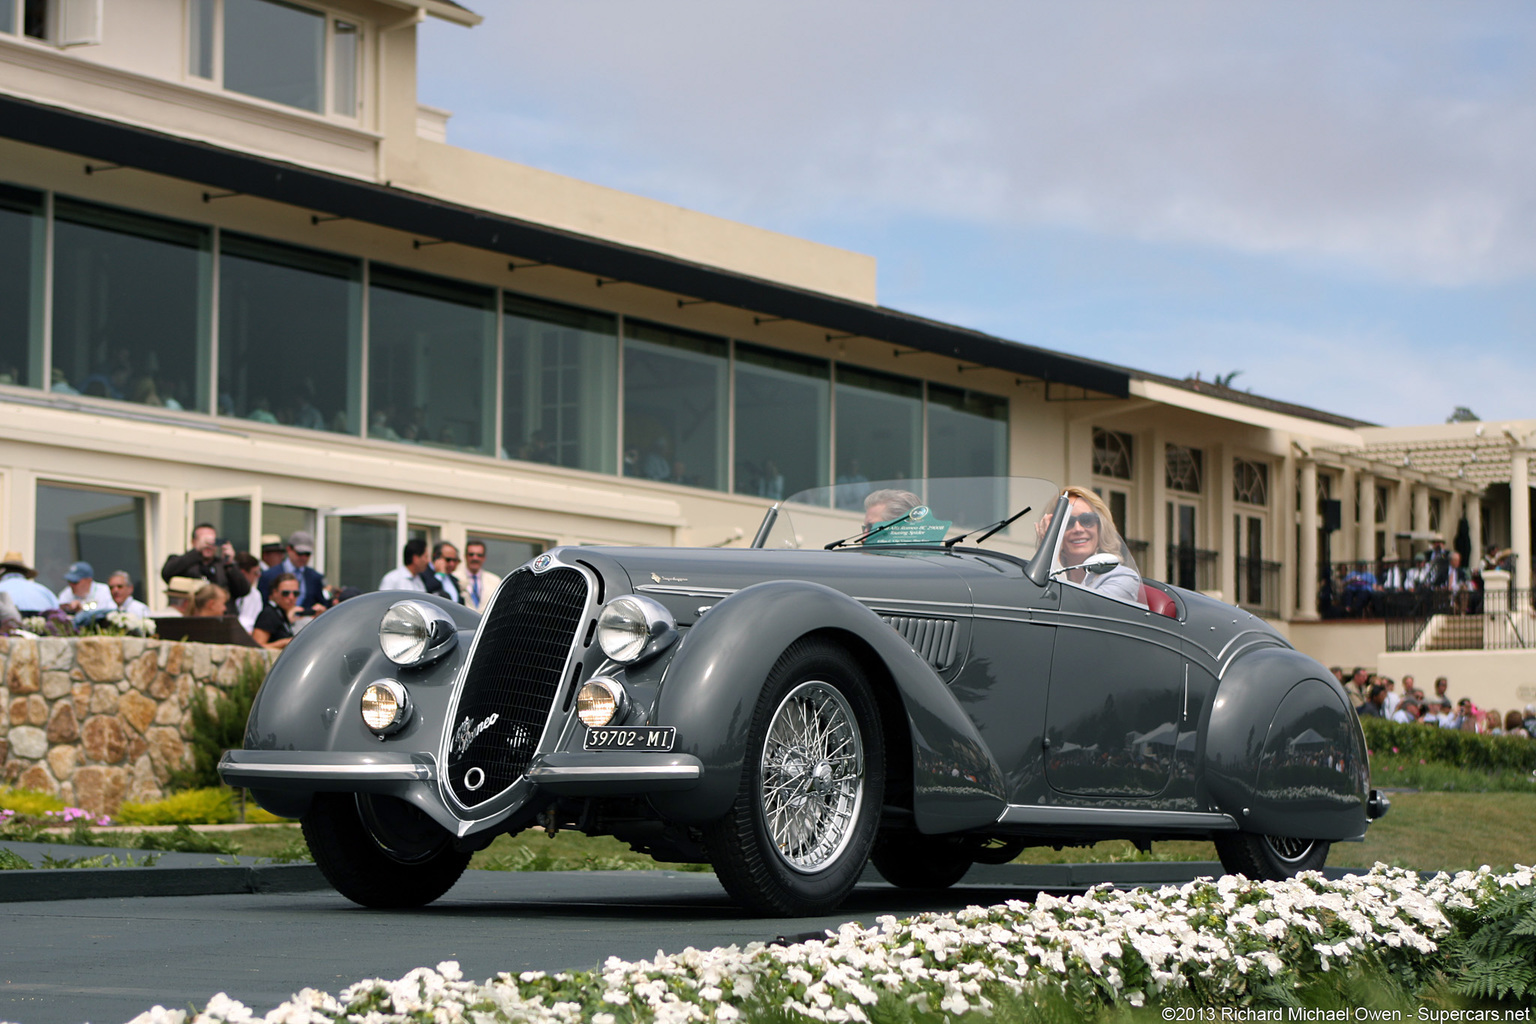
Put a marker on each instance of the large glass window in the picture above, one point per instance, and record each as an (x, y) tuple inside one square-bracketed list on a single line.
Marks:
[(105, 528), (967, 432), (783, 419), (7, 15), (560, 385), (674, 406), (130, 306), (21, 285), (431, 372), (275, 51), (290, 335), (879, 430)]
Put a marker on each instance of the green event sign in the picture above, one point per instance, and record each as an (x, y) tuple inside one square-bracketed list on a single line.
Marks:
[(918, 528)]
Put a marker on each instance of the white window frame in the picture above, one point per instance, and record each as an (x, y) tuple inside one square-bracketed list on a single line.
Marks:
[(332, 15)]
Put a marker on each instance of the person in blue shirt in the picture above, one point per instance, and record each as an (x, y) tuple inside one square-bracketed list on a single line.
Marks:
[(30, 598)]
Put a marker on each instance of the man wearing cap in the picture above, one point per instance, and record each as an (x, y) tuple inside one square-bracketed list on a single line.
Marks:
[(271, 550), (82, 592), (208, 562), (29, 597), (301, 548)]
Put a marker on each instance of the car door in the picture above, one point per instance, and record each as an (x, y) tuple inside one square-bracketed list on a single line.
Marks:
[(1113, 705)]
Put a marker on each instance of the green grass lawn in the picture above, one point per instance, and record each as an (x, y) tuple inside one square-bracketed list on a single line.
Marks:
[(1423, 831)]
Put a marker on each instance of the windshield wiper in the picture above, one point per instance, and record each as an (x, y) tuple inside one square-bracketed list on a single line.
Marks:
[(990, 530), (860, 538)]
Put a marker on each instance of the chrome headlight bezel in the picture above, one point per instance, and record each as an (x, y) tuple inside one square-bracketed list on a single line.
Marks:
[(415, 633), (633, 627), (604, 686), (392, 692)]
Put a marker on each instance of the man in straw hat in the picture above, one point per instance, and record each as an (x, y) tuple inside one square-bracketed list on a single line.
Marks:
[(29, 597)]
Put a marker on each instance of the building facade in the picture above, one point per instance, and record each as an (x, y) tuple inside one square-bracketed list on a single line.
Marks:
[(244, 279)]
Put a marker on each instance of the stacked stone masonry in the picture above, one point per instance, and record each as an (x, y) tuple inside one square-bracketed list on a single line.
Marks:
[(102, 720)]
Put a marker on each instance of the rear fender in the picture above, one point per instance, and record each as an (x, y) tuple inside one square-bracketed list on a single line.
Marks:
[(712, 686), (1284, 753)]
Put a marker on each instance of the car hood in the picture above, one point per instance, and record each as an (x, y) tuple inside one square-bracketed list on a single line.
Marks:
[(678, 577)]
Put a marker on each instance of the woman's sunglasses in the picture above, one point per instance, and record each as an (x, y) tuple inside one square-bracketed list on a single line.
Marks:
[(1087, 520)]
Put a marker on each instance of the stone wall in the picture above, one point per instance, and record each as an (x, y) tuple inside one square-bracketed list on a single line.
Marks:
[(101, 720)]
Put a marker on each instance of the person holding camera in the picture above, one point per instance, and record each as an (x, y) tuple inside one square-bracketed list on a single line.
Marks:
[(210, 559)]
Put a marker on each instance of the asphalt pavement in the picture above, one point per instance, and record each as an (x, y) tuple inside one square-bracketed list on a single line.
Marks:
[(73, 950)]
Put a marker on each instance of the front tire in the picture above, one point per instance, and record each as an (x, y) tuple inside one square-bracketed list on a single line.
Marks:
[(379, 851), (799, 832), (1269, 858)]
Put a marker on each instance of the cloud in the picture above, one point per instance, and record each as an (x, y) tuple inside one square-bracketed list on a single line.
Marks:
[(1393, 141)]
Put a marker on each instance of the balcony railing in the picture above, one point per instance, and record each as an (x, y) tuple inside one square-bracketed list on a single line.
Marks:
[(1258, 586), (1464, 620), (1191, 568)]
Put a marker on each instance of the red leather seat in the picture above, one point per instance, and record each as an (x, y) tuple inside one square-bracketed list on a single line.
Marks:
[(1159, 602)]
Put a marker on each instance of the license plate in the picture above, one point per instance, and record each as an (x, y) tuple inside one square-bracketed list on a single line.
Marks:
[(632, 737)]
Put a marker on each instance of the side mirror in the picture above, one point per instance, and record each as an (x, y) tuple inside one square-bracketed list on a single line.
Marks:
[(1098, 564)]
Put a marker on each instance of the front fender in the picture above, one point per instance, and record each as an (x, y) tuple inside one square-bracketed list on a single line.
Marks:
[(310, 702), (712, 686), (1284, 753)]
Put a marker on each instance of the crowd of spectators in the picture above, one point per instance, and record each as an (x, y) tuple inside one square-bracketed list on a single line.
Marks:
[(273, 596), (1380, 697), (1364, 590)]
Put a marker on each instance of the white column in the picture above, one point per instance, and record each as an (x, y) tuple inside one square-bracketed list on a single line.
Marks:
[(1306, 591), (1520, 515), (1344, 543), (1475, 524), (1420, 518), (1365, 542)]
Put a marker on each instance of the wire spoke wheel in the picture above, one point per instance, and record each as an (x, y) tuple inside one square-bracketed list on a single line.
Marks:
[(813, 776), (1289, 851), (1267, 857), (798, 834)]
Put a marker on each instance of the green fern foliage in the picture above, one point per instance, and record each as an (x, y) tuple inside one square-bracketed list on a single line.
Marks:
[(1497, 961)]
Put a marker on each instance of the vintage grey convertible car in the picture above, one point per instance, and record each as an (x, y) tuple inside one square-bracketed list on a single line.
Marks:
[(922, 674)]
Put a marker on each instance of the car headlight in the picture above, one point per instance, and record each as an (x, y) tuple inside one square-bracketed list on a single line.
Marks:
[(386, 706), (633, 627), (600, 701), (413, 633)]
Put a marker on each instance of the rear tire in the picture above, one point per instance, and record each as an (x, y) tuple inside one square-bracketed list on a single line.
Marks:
[(1269, 858), (379, 851), (914, 861), (797, 837)]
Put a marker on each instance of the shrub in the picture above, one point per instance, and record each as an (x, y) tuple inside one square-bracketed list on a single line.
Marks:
[(185, 840), (29, 802), (220, 728), (214, 805), (1451, 746)]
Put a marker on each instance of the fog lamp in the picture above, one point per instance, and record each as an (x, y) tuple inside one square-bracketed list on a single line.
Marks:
[(600, 701), (386, 707)]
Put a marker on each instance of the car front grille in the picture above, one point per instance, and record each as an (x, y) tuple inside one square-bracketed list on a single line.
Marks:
[(934, 640), (513, 680)]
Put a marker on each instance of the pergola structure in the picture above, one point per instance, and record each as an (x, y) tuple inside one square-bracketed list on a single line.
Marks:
[(1462, 459)]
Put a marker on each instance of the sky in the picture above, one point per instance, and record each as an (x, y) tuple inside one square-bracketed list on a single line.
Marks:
[(1335, 201)]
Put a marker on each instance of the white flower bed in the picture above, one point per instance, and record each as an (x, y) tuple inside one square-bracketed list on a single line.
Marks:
[(1220, 938)]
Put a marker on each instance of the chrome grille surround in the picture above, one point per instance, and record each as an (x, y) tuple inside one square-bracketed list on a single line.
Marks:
[(511, 684)]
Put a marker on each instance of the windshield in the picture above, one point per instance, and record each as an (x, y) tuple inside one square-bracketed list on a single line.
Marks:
[(922, 512)]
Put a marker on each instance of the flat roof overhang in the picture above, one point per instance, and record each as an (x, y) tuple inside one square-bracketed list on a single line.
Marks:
[(217, 167)]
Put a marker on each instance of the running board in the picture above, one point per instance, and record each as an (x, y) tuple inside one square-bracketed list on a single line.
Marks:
[(1115, 817)]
